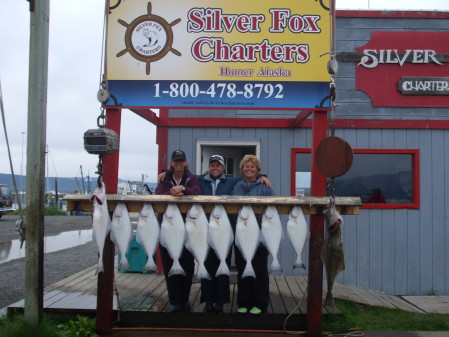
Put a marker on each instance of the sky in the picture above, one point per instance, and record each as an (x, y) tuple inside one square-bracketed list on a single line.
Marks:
[(74, 73)]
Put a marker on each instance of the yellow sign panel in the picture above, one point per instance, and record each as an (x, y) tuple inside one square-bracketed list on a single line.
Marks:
[(219, 40)]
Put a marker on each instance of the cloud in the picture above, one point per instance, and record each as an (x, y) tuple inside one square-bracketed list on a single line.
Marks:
[(74, 73)]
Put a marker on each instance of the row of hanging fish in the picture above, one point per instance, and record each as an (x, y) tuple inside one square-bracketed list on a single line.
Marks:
[(197, 234)]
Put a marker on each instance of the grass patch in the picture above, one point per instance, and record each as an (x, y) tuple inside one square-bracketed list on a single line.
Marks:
[(19, 327), (365, 317)]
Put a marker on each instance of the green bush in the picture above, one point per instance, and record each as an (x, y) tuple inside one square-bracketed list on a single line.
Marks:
[(54, 210), (19, 327), (83, 327)]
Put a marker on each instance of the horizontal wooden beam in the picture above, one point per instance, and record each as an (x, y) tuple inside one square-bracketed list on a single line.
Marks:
[(232, 203)]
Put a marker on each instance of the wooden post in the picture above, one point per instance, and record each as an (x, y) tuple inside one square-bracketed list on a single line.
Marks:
[(315, 275), (35, 172), (105, 284), (162, 141)]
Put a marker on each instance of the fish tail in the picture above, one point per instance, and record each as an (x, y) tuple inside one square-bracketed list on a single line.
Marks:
[(249, 271), (275, 266), (100, 267), (299, 264), (150, 265), (223, 269), (176, 269), (329, 301), (202, 273), (124, 263)]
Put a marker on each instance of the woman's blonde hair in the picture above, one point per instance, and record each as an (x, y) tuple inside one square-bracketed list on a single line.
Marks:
[(250, 158)]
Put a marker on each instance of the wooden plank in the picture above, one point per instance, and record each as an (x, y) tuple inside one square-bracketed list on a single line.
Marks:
[(146, 291), (150, 300), (286, 294), (435, 304), (128, 289), (297, 293), (194, 298), (277, 304), (233, 290), (309, 205)]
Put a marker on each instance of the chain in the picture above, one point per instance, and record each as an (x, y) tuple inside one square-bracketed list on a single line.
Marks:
[(102, 119), (332, 93), (331, 187)]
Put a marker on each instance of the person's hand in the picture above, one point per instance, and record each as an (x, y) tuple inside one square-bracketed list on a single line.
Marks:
[(265, 181), (161, 177), (177, 191)]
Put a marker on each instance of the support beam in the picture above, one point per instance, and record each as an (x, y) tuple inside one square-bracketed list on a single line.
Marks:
[(35, 171), (300, 117), (148, 115), (315, 275), (105, 288)]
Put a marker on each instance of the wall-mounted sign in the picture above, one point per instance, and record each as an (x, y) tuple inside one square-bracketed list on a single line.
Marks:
[(405, 69), (424, 86), (218, 54)]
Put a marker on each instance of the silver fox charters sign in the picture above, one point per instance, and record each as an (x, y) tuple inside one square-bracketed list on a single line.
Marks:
[(218, 54)]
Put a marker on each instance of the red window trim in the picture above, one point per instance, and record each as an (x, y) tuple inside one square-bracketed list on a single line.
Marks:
[(415, 180)]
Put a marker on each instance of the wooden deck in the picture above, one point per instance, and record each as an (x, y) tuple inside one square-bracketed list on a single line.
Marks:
[(142, 301)]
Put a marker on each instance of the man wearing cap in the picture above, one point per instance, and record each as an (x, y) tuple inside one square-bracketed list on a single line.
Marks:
[(178, 181), (215, 292)]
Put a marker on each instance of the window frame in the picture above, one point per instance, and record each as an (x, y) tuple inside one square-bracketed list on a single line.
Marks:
[(415, 175)]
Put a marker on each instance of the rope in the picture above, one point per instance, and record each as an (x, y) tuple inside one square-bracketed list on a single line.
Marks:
[(103, 64), (291, 313), (19, 223)]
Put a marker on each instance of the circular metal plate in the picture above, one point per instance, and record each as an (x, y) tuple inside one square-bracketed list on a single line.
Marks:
[(333, 157)]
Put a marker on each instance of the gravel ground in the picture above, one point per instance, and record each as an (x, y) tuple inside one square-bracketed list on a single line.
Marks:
[(57, 265)]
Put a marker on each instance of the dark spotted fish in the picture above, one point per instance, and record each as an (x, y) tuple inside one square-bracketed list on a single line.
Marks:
[(333, 256)]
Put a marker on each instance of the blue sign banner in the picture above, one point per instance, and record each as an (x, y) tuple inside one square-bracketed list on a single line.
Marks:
[(219, 94)]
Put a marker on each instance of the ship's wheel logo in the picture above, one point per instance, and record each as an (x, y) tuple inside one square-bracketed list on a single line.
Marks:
[(148, 38)]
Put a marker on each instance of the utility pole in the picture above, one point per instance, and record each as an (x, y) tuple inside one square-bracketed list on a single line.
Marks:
[(82, 178), (35, 170)]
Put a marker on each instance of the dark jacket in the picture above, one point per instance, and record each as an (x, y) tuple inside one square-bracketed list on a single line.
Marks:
[(224, 186), (252, 188), (189, 180)]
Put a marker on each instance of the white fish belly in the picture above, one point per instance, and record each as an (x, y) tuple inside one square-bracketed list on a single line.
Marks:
[(272, 232), (173, 231), (220, 237), (101, 224), (297, 232), (121, 232), (247, 238), (147, 235), (196, 230)]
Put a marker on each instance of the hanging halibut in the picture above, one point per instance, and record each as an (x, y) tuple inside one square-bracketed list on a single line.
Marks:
[(297, 232), (173, 237), (101, 222), (247, 237), (148, 234), (121, 232), (333, 256), (220, 237), (196, 230), (272, 235)]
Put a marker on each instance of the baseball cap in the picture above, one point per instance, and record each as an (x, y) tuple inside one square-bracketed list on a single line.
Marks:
[(178, 155), (216, 157)]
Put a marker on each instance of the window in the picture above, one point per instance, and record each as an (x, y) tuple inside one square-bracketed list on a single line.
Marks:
[(381, 178)]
